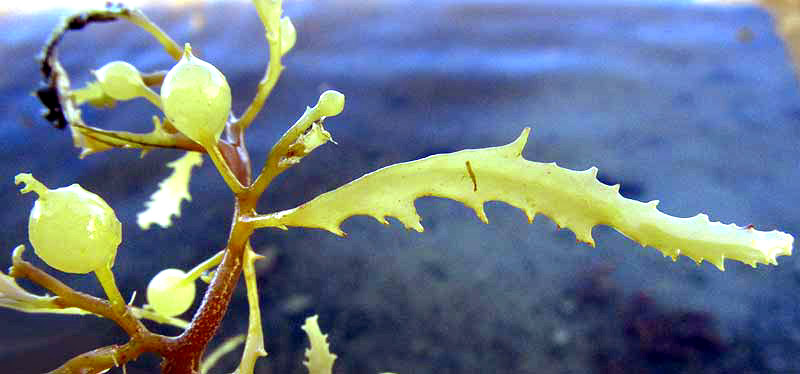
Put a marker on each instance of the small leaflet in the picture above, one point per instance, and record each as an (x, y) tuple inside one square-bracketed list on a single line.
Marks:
[(94, 95), (166, 202), (319, 359), (305, 144)]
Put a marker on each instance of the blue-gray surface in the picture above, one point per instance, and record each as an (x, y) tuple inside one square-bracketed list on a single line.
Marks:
[(695, 106)]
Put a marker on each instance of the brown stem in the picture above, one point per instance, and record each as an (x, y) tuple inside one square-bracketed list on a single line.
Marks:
[(68, 297), (186, 351), (181, 354), (101, 359), (235, 155), (142, 340), (188, 348)]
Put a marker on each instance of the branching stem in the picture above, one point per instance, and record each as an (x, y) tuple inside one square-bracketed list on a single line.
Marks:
[(182, 354), (101, 359)]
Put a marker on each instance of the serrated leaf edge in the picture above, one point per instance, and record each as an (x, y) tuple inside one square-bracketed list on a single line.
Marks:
[(574, 200), (319, 359), (166, 201)]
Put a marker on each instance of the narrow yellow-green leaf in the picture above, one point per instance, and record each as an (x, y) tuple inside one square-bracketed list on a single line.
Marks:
[(254, 346), (166, 202), (319, 359), (575, 200), (13, 296)]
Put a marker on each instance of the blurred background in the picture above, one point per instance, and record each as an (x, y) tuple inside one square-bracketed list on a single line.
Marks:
[(696, 105)]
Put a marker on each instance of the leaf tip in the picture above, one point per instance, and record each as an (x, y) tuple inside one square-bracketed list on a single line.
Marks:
[(720, 263), (519, 143), (481, 214), (416, 226), (337, 231), (530, 214), (381, 219)]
